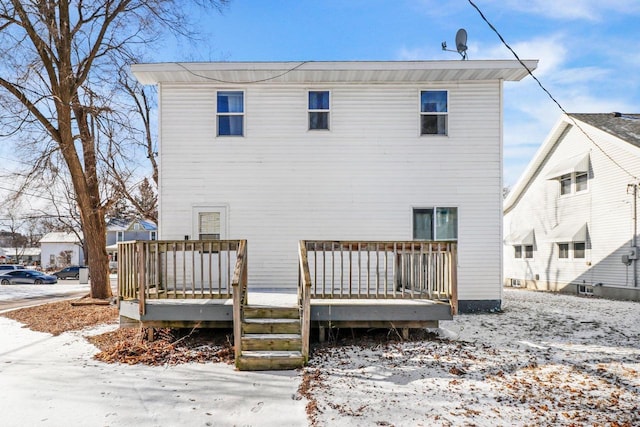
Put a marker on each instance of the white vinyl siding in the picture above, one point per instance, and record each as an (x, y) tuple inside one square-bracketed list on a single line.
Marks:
[(359, 181)]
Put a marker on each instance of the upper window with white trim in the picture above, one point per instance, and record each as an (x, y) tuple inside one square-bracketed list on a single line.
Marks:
[(319, 108), (434, 112), (575, 182), (230, 113)]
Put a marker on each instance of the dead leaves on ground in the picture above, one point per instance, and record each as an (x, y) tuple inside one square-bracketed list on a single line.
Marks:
[(58, 317), (128, 346), (131, 347)]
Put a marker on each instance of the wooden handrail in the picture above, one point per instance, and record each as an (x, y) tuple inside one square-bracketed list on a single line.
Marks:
[(304, 292), (239, 285)]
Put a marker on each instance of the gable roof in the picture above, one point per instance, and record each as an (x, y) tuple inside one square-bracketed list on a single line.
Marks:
[(119, 224), (625, 127), (331, 71)]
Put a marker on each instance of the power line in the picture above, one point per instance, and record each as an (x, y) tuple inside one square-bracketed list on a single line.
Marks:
[(241, 82), (573, 120)]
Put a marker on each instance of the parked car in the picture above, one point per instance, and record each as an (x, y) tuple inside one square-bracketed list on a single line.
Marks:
[(72, 272), (26, 277), (7, 267)]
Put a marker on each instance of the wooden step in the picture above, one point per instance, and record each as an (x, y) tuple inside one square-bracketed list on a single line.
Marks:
[(271, 326), (272, 342), (269, 361), (265, 312)]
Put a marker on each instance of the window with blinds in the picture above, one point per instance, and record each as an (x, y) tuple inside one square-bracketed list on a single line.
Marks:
[(209, 226)]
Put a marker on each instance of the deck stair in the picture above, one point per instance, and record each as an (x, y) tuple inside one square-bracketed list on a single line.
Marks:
[(271, 339)]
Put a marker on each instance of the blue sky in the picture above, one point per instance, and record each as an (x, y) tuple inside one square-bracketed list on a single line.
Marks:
[(588, 49)]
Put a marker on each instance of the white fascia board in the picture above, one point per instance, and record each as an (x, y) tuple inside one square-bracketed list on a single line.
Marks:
[(332, 72)]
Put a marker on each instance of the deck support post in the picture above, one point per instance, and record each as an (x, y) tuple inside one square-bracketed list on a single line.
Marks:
[(405, 334), (150, 334), (322, 334)]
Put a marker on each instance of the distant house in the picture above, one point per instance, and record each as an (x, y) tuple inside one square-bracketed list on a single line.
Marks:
[(27, 256), (120, 230), (570, 222), (278, 152), (60, 249)]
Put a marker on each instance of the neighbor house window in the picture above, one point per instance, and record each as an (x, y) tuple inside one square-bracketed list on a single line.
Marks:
[(581, 181), (120, 236), (517, 251), (563, 250), (565, 184), (209, 226), (153, 235), (528, 251), (318, 110), (578, 249), (230, 113), (434, 112), (574, 183), (435, 224)]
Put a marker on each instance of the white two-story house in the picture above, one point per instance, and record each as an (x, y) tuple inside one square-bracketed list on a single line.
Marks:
[(570, 222), (276, 152)]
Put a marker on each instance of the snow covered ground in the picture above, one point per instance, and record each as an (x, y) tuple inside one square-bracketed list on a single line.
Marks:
[(547, 360), (23, 292)]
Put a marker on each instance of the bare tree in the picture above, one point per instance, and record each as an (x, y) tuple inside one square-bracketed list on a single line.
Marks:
[(59, 61)]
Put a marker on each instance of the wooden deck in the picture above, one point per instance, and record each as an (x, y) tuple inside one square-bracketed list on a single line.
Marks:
[(203, 284)]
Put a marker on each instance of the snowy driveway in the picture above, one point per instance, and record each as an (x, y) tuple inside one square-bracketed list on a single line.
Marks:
[(13, 296)]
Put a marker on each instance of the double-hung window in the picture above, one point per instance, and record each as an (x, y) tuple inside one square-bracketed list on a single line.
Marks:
[(563, 250), (230, 113), (209, 225), (319, 110), (528, 251), (523, 251), (578, 249), (434, 111), (565, 184), (435, 223), (517, 251), (581, 181), (574, 182)]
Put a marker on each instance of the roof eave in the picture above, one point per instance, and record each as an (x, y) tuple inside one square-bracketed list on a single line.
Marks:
[(332, 72)]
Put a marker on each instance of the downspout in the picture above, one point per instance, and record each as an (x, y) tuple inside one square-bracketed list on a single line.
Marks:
[(635, 233)]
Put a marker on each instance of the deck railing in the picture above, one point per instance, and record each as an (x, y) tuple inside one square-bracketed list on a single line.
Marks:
[(390, 269), (239, 286), (304, 298), (180, 269)]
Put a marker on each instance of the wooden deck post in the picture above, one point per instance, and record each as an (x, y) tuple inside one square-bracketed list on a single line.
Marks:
[(140, 255)]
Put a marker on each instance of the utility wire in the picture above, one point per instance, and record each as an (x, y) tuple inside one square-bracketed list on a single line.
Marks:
[(240, 82), (573, 120)]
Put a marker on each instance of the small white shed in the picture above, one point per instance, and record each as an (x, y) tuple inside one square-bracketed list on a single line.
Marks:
[(60, 249)]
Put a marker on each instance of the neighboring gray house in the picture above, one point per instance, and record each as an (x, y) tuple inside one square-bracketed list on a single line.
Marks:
[(60, 249), (570, 222), (278, 152), (121, 230)]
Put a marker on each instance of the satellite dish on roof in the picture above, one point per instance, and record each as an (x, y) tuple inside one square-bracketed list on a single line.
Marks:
[(461, 43)]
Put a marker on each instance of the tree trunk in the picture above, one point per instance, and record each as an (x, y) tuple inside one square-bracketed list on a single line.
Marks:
[(96, 244)]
